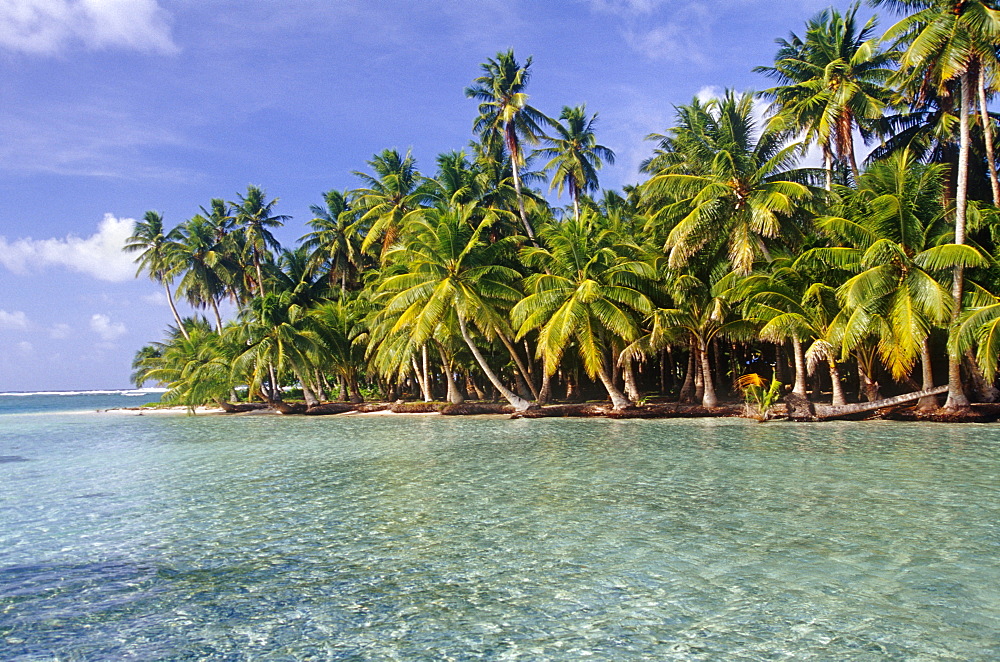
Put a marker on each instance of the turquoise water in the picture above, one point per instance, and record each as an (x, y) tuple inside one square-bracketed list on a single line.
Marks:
[(430, 538)]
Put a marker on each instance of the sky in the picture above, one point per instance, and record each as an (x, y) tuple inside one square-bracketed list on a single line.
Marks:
[(111, 108)]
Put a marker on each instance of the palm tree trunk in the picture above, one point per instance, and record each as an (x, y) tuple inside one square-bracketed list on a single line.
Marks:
[(848, 131), (173, 309), (835, 385), (828, 166), (418, 375), (928, 402), (618, 399), (956, 393), (545, 392), (520, 198), (519, 363), (519, 403), (631, 383), (708, 398), (455, 396), (426, 374), (355, 392), (218, 318), (307, 393), (801, 374), (687, 388), (984, 115)]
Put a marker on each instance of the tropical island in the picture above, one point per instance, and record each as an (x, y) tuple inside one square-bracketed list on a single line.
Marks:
[(734, 269)]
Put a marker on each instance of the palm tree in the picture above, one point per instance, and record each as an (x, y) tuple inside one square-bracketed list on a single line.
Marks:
[(391, 197), (575, 154), (505, 116), (702, 313), (586, 296), (196, 368), (831, 83), (722, 186), (942, 40), (156, 250), (890, 226), (205, 265), (817, 315), (334, 241), (254, 216), (275, 335), (448, 269)]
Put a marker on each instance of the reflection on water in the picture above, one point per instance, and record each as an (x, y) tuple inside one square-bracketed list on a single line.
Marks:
[(429, 538)]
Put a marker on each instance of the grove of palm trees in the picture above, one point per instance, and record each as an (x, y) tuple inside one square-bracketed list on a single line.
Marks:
[(870, 274)]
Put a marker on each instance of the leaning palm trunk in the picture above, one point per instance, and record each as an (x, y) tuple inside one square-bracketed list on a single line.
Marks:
[(516, 401), (956, 393), (928, 402), (218, 317), (521, 369), (687, 388), (708, 398), (307, 393), (984, 114), (618, 399), (173, 309)]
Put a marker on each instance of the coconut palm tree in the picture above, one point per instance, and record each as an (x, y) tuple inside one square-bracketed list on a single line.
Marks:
[(720, 186), (254, 217), (940, 42), (205, 265), (889, 228), (156, 249), (586, 294), (396, 192), (448, 269), (334, 242), (830, 83), (575, 154), (505, 116)]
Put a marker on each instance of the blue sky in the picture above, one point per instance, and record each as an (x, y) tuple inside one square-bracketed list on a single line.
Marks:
[(115, 107)]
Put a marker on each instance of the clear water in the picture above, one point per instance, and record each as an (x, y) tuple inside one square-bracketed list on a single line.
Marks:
[(419, 538)]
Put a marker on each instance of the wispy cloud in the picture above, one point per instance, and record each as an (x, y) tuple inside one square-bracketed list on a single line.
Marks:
[(100, 255), (670, 42), (94, 139), (15, 320), (105, 328), (60, 331), (47, 27)]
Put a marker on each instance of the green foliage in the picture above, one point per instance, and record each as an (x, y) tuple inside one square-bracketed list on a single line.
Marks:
[(761, 394)]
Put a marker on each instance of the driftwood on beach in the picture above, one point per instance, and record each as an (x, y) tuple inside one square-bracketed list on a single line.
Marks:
[(800, 409)]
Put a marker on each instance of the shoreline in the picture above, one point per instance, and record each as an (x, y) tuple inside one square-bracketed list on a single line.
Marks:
[(978, 412)]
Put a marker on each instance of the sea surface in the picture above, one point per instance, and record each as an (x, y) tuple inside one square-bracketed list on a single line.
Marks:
[(468, 538)]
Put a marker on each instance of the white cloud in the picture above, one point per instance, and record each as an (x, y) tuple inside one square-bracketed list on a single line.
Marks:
[(60, 331), (25, 347), (105, 328), (100, 255), (50, 26), (13, 320)]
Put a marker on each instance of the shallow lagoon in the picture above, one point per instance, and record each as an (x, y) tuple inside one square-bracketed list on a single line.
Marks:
[(409, 538)]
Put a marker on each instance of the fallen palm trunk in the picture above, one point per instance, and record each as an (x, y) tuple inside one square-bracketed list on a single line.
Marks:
[(800, 409), (240, 407), (330, 408)]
